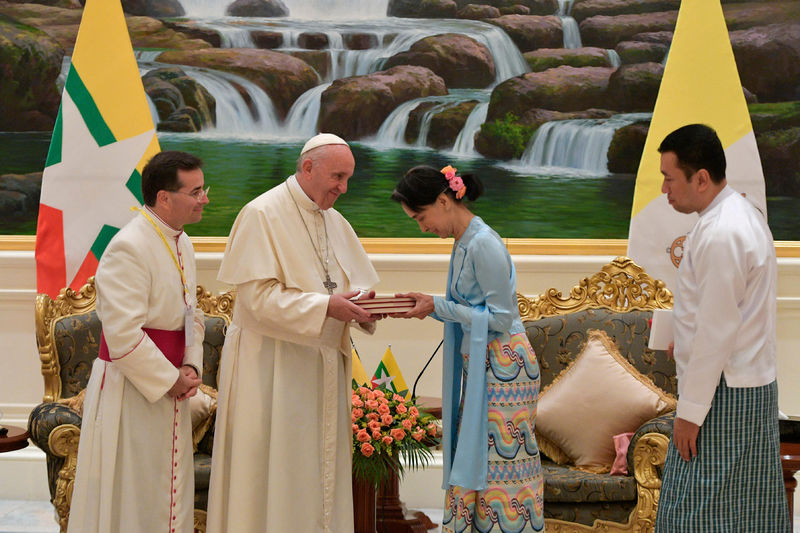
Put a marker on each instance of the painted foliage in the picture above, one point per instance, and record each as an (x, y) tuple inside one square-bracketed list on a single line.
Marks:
[(548, 101)]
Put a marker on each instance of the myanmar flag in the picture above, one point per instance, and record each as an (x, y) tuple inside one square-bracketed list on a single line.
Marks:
[(103, 137), (388, 374), (700, 85), (359, 374)]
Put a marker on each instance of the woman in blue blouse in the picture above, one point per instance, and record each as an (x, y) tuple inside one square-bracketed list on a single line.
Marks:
[(492, 470)]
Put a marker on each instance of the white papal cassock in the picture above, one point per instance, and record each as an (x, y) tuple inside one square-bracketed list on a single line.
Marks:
[(282, 446), (135, 472)]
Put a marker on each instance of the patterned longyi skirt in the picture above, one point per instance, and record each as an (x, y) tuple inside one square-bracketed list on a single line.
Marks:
[(512, 501)]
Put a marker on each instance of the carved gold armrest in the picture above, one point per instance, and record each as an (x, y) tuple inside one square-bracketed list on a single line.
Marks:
[(199, 521), (648, 464), (63, 442)]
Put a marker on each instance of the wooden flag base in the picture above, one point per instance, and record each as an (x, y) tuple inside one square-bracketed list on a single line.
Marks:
[(392, 514)]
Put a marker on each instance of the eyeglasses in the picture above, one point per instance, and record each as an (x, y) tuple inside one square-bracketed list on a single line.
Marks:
[(197, 195)]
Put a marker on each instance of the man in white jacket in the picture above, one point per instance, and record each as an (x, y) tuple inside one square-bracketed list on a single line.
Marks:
[(135, 470), (723, 471)]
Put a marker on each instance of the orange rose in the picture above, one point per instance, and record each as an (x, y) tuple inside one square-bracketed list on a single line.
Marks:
[(374, 425), (398, 398), (414, 411), (367, 449), (383, 409), (355, 428), (407, 424), (376, 434), (417, 435), (387, 440), (356, 401), (379, 393), (401, 408), (398, 434), (362, 435), (357, 413), (387, 420), (372, 404), (373, 416)]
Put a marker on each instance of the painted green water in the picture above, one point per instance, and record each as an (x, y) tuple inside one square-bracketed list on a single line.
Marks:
[(517, 206)]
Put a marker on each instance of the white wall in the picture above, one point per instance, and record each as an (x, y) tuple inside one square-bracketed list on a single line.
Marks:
[(412, 341)]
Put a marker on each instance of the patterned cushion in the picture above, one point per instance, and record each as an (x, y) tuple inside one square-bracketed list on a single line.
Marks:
[(202, 476), (77, 343), (587, 513), (212, 348), (557, 339), (563, 484)]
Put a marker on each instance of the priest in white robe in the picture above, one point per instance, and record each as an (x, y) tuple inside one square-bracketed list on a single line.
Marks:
[(135, 471), (282, 446)]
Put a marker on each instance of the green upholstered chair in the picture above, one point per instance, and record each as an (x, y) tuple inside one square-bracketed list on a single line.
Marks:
[(618, 300), (68, 336)]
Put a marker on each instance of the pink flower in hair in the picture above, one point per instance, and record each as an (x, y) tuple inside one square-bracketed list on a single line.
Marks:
[(455, 182)]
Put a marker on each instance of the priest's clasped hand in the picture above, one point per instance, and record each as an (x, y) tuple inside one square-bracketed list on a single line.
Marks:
[(422, 308), (341, 307), (186, 384)]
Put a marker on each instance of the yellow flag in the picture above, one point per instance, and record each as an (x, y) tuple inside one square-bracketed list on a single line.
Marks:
[(388, 374), (359, 374), (700, 85), (102, 138)]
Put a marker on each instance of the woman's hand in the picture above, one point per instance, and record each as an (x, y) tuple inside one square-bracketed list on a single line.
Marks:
[(422, 308)]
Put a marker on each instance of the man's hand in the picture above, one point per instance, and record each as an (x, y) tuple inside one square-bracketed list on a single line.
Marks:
[(342, 308), (684, 436), (186, 384), (422, 308)]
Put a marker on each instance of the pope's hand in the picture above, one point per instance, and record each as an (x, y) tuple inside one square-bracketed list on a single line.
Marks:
[(423, 305), (342, 308)]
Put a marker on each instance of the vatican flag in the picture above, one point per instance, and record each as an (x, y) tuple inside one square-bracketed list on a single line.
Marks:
[(103, 137), (388, 374), (359, 374), (700, 85)]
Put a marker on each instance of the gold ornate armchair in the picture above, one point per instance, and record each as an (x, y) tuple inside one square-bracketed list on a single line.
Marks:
[(68, 335), (618, 300)]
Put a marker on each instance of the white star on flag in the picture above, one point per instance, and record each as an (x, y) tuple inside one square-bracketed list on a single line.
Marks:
[(385, 381), (98, 174)]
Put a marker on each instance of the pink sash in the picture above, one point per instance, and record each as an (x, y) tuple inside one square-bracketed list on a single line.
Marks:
[(171, 344)]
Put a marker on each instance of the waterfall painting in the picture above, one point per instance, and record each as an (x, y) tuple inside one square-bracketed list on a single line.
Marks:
[(547, 101)]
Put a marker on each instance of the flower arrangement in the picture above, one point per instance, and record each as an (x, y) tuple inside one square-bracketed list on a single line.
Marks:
[(387, 427)]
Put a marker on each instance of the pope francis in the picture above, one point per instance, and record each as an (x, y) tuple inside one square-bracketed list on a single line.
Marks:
[(282, 446)]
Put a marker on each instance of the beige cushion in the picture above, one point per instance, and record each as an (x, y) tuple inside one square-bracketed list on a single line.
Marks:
[(202, 406), (597, 396)]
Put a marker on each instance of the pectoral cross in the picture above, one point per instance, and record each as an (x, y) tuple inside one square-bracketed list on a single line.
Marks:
[(328, 284)]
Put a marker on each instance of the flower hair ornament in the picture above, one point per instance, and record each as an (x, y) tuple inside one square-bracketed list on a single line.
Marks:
[(455, 182)]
